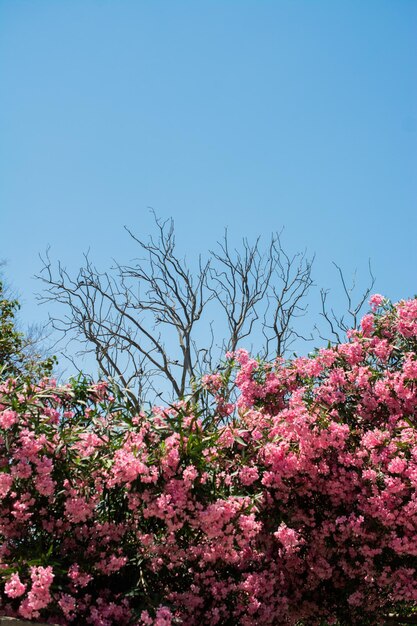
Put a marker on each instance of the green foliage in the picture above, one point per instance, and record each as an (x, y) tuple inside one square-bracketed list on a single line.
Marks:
[(14, 359)]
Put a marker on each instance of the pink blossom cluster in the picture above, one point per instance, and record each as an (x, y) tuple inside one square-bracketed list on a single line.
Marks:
[(294, 504)]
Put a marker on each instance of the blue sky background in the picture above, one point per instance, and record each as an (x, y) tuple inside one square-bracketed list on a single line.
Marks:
[(249, 114)]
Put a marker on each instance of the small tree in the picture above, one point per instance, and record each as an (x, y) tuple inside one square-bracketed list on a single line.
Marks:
[(19, 355)]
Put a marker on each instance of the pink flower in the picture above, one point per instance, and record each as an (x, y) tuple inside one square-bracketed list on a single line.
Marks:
[(248, 475), (68, 605), (288, 537), (410, 367), (397, 466), (163, 617), (39, 595), (407, 318), (375, 301), (6, 481), (79, 578), (78, 509), (356, 598), (367, 324), (8, 418), (14, 587), (212, 382), (381, 348)]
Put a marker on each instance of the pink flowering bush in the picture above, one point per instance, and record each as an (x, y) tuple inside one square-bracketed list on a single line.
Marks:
[(294, 504)]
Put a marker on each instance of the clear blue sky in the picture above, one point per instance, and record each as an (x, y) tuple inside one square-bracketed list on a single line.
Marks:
[(254, 115)]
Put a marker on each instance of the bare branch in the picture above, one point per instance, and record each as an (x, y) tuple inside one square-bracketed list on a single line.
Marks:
[(290, 284), (338, 324)]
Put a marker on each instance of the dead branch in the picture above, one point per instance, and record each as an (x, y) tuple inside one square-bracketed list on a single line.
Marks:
[(338, 325)]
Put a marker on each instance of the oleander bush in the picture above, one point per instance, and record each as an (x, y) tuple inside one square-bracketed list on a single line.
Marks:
[(279, 493)]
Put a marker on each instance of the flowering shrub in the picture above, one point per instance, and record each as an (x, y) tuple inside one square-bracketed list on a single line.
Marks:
[(295, 504)]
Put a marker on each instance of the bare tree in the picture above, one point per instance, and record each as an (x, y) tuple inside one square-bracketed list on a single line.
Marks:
[(144, 321)]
